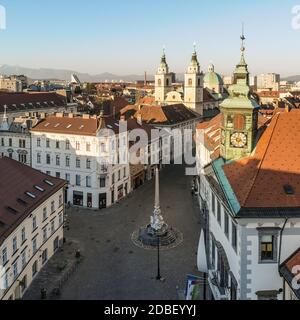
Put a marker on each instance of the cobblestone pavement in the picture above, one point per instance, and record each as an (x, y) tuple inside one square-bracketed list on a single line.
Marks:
[(113, 267)]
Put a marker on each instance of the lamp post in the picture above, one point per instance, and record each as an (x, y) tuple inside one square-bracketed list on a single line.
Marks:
[(158, 277)]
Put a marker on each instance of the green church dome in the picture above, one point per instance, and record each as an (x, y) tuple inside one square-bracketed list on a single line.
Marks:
[(211, 78)]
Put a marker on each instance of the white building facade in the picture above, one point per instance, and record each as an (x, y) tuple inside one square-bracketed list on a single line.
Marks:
[(27, 245), (73, 148)]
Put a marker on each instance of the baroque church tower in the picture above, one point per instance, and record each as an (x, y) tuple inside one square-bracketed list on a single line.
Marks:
[(239, 115), (163, 80), (193, 85)]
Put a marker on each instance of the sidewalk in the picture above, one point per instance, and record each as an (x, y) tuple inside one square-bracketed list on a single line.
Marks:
[(56, 273)]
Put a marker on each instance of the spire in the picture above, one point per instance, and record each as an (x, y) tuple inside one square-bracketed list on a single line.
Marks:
[(195, 51), (243, 49), (163, 61), (194, 61), (163, 57), (241, 73), (194, 56)]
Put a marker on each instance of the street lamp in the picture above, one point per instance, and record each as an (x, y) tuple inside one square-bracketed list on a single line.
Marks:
[(158, 277)]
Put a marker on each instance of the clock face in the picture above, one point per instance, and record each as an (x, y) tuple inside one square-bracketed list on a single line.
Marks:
[(239, 140)]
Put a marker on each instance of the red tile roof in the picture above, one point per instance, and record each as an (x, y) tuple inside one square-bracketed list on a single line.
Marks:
[(113, 107), (147, 101), (85, 125), (65, 125), (258, 181), (15, 205), (269, 94), (160, 114), (289, 269)]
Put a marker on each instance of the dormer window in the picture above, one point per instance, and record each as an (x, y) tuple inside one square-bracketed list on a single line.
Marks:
[(289, 190), (30, 194)]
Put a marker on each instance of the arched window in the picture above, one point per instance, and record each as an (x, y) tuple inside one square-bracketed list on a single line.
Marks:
[(168, 82), (159, 82), (199, 82), (190, 82), (239, 122)]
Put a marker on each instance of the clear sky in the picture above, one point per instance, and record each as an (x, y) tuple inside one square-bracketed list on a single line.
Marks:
[(127, 36)]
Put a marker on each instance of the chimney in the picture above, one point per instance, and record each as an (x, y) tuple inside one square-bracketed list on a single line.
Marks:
[(29, 124), (287, 108)]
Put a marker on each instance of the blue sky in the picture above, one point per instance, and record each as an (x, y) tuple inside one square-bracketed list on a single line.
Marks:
[(127, 36)]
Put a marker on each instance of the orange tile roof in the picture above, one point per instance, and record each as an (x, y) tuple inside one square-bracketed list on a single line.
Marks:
[(294, 261), (288, 272), (258, 181), (269, 94), (157, 114), (147, 100), (66, 125)]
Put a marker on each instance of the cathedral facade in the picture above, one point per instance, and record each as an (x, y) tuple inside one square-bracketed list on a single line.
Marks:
[(192, 94), (192, 97)]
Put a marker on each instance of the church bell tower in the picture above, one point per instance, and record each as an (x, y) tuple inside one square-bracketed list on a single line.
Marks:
[(193, 85), (163, 80)]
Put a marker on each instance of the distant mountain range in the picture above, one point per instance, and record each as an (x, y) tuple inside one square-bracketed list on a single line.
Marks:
[(292, 78), (57, 74), (61, 74)]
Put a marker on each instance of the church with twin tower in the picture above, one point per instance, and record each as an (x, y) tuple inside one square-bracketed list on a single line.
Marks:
[(193, 85)]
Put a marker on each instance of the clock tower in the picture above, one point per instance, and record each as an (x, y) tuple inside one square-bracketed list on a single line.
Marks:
[(239, 115)]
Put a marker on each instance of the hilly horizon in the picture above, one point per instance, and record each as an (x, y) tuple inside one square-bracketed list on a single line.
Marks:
[(64, 74)]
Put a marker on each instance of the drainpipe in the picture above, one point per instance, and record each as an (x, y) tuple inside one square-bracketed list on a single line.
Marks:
[(280, 245), (279, 256)]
